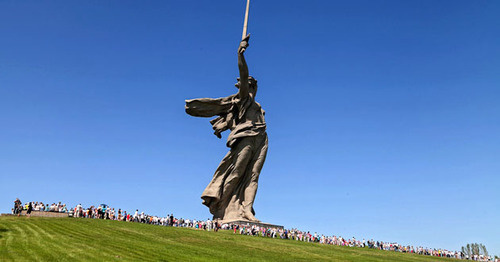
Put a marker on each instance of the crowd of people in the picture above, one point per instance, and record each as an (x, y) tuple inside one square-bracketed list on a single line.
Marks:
[(37, 206), (105, 212), (298, 235)]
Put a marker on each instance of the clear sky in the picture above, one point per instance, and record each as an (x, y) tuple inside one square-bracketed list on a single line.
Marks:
[(383, 116)]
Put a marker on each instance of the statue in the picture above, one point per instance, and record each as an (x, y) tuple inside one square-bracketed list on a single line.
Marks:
[(231, 193)]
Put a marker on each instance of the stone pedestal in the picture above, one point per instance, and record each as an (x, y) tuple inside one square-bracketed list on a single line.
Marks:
[(250, 223), (45, 214)]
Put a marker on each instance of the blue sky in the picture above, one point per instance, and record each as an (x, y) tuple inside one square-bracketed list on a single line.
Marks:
[(383, 116)]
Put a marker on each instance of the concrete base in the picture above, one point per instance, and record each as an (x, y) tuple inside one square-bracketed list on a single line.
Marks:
[(250, 223), (44, 214)]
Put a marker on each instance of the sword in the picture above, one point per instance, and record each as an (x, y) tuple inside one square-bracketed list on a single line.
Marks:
[(245, 24)]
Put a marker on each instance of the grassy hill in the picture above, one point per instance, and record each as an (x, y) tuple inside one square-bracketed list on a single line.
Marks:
[(65, 239)]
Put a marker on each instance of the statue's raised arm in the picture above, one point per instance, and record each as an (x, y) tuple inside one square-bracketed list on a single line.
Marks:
[(243, 67)]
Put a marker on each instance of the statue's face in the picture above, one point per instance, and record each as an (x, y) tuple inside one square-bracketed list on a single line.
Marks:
[(252, 87)]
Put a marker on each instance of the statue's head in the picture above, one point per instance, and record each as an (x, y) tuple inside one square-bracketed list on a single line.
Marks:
[(252, 85)]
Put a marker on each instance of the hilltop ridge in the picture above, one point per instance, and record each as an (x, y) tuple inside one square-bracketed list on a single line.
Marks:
[(49, 239)]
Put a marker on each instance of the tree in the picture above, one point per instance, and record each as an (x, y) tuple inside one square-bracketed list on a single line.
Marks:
[(473, 249)]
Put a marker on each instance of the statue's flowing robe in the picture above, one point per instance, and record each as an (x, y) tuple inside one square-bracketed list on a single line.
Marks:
[(234, 184)]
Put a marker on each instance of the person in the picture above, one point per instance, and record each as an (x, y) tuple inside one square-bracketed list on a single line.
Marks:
[(231, 193), (30, 208), (78, 210), (18, 207)]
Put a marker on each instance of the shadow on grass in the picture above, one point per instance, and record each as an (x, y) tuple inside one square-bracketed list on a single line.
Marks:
[(3, 230)]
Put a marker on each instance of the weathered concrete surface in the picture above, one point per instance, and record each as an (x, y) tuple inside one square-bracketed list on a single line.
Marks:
[(43, 214)]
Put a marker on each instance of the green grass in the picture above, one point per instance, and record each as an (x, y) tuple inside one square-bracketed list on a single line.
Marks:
[(70, 239)]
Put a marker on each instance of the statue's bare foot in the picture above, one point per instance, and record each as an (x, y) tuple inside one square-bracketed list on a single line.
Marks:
[(249, 216)]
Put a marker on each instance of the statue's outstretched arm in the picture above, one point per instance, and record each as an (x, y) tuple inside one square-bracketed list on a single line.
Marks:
[(242, 65)]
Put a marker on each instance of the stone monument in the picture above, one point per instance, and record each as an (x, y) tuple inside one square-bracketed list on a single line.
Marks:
[(231, 193)]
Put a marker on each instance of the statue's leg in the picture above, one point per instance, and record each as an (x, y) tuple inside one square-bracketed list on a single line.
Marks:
[(231, 200), (251, 188)]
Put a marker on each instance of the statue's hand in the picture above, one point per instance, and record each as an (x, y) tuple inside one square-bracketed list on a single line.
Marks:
[(243, 45)]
